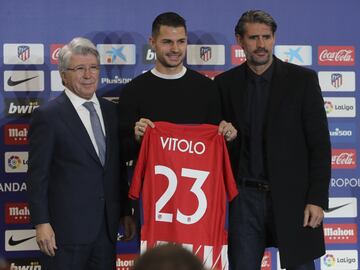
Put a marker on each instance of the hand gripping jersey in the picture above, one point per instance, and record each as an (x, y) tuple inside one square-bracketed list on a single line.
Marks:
[(184, 176)]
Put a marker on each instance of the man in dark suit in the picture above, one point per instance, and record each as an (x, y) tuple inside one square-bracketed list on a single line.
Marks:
[(282, 154), (77, 186)]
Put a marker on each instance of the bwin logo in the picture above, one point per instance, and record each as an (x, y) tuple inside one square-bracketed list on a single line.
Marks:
[(22, 109)]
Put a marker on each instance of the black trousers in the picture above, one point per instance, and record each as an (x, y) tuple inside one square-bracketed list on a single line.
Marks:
[(99, 255), (252, 229)]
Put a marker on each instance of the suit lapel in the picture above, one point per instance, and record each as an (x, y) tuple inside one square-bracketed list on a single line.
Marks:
[(72, 120)]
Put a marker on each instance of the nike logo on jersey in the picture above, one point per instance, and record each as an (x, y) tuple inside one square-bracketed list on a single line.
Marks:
[(332, 209), (13, 242), (11, 82)]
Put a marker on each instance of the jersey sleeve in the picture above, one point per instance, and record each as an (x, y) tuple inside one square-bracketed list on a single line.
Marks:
[(138, 175), (230, 184)]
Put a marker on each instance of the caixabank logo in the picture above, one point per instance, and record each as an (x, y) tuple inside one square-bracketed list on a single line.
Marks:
[(340, 233), (21, 107), (339, 260), (16, 134), (16, 162), (25, 264), (17, 213)]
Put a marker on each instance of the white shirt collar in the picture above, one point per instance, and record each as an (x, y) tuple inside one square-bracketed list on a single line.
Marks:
[(79, 101), (168, 77)]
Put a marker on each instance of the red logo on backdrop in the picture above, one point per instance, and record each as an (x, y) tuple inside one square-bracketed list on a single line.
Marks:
[(125, 261), (17, 213), (343, 158), (336, 55), (54, 53), (210, 73), (340, 233), (16, 133), (266, 261), (237, 55)]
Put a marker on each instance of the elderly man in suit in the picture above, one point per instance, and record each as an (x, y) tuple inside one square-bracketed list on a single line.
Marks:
[(282, 155), (77, 184)]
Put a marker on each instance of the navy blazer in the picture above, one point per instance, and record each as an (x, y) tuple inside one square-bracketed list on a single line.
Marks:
[(67, 185)]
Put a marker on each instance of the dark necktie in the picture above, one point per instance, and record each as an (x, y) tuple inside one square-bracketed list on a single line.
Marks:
[(256, 123), (97, 130)]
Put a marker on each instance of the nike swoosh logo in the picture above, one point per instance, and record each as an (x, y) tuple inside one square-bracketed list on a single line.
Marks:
[(10, 82), (335, 208), (13, 242)]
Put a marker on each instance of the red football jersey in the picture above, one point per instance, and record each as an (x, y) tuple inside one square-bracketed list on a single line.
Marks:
[(184, 176)]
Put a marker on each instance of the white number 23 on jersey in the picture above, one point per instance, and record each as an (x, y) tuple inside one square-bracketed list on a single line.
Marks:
[(200, 177)]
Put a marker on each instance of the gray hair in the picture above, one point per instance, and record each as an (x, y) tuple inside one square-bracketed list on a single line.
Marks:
[(78, 45), (254, 16)]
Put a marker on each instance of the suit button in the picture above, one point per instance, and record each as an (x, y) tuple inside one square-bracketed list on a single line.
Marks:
[(101, 198)]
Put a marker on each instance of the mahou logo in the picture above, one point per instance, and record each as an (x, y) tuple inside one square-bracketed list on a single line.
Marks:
[(54, 53), (125, 261), (336, 55), (340, 233), (17, 213), (266, 261), (343, 159), (16, 134)]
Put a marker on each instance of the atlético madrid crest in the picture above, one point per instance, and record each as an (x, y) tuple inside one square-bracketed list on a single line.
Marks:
[(205, 53), (23, 52)]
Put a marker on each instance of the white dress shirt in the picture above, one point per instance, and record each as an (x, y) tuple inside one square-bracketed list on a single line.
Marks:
[(84, 114)]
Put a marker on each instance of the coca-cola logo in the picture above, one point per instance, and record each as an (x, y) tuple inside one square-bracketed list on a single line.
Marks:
[(336, 55), (343, 159), (54, 53)]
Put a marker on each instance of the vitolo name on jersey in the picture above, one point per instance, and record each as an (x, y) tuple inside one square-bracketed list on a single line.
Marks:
[(25, 264), (340, 233), (16, 134), (182, 145), (17, 213), (21, 106)]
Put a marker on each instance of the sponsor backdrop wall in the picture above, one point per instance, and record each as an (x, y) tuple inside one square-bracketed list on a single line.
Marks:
[(322, 35)]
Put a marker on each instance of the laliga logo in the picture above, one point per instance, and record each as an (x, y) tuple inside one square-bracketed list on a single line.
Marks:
[(328, 106), (329, 260), (14, 162)]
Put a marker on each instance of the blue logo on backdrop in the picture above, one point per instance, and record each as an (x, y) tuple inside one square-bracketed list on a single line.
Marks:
[(342, 132)]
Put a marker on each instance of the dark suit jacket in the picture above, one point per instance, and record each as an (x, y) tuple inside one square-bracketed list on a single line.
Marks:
[(67, 185), (297, 149)]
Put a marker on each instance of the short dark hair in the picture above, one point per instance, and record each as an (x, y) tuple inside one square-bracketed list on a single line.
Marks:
[(254, 16), (168, 257), (169, 19)]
